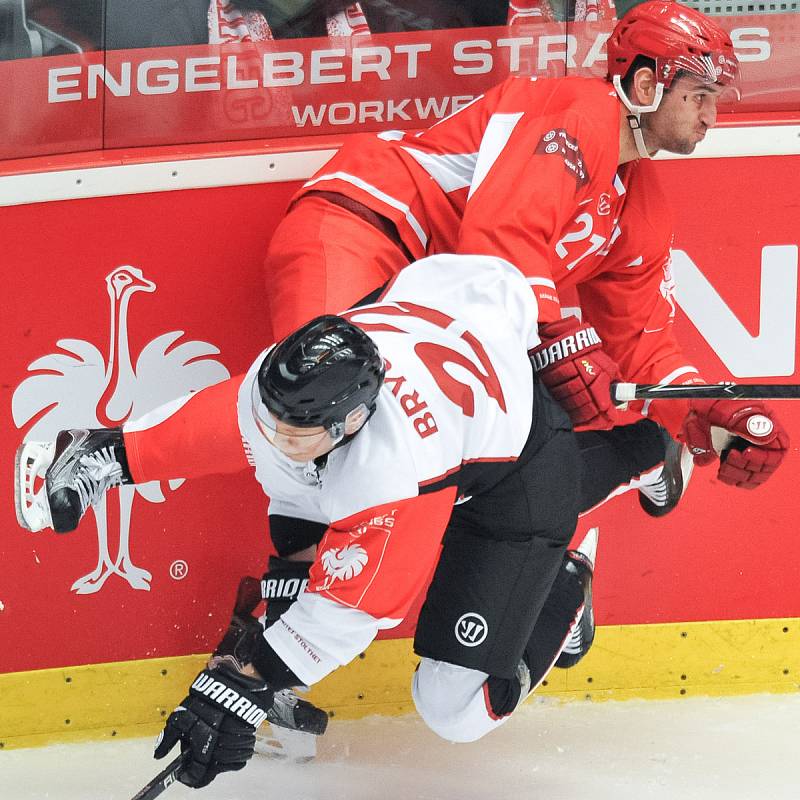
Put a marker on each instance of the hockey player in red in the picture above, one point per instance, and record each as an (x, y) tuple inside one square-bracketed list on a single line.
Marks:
[(553, 175), (407, 438)]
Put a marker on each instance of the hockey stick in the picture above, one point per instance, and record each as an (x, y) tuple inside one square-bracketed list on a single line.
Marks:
[(625, 392), (168, 775)]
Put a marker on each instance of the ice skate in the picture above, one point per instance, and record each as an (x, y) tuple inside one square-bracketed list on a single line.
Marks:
[(564, 631), (579, 565), (56, 482), (292, 728), (662, 496)]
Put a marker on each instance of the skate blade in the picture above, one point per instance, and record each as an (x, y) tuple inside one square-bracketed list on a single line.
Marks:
[(588, 547), (687, 466), (272, 741), (30, 493)]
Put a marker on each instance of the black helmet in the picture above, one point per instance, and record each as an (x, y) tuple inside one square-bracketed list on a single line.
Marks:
[(320, 373)]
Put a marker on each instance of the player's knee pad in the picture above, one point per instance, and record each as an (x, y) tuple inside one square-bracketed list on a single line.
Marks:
[(452, 700), (282, 584)]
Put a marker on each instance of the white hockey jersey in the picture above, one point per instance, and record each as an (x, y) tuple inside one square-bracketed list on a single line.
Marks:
[(458, 391)]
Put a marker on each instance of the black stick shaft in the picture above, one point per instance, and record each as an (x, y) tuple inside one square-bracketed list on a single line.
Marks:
[(161, 781), (625, 392)]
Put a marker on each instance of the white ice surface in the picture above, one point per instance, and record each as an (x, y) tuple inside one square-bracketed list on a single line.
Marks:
[(742, 748)]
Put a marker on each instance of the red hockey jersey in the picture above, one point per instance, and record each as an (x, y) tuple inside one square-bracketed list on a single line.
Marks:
[(529, 172)]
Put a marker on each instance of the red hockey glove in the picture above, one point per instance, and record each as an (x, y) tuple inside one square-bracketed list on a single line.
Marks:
[(571, 363), (758, 446)]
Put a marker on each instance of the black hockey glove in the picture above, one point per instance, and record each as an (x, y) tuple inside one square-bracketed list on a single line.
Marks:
[(216, 724), (243, 643)]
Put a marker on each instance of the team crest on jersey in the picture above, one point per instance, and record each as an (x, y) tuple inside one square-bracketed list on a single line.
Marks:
[(350, 560), (557, 142), (666, 314), (343, 563)]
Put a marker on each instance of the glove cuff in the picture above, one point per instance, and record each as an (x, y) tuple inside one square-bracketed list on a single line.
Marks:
[(577, 339)]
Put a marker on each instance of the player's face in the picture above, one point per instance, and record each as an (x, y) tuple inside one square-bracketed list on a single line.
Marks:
[(686, 112), (298, 444)]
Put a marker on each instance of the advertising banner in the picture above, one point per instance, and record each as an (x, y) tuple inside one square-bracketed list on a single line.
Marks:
[(122, 303), (305, 87)]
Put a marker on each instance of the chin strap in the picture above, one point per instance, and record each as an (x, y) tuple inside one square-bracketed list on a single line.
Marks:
[(634, 118), (635, 123)]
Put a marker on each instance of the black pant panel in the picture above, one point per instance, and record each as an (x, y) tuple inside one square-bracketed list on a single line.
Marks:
[(500, 555), (612, 458)]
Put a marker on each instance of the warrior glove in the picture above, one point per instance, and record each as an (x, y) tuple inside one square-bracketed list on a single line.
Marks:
[(752, 445), (571, 363), (216, 724)]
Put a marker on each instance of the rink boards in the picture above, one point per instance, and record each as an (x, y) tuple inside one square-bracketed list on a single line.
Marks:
[(108, 653), (658, 661)]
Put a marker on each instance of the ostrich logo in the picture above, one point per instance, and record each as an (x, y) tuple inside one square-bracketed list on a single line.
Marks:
[(77, 388)]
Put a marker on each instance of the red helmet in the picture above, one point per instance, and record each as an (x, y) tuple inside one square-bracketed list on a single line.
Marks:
[(677, 38)]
